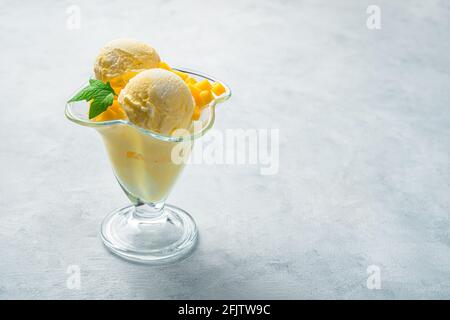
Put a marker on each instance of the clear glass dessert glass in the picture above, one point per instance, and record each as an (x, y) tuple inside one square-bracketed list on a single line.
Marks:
[(147, 165)]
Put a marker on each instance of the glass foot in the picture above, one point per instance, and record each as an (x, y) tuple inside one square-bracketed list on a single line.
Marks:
[(133, 234)]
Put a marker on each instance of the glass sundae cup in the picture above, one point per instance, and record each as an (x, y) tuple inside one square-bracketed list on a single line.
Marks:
[(147, 165)]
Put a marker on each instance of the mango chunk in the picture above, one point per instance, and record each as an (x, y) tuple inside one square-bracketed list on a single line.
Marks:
[(119, 112), (195, 93), (98, 118), (117, 88), (203, 85), (205, 97), (114, 112), (165, 66), (134, 155), (197, 113), (118, 83), (190, 80), (127, 76), (218, 88), (106, 115)]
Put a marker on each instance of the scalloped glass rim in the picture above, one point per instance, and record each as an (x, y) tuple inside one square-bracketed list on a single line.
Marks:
[(208, 125)]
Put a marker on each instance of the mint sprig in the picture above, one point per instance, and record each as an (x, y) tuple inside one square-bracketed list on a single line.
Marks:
[(100, 94)]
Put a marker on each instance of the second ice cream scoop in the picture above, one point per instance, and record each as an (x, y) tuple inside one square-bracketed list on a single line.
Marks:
[(123, 56), (158, 100)]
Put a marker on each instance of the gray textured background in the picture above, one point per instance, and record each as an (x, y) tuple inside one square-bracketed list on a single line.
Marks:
[(364, 150)]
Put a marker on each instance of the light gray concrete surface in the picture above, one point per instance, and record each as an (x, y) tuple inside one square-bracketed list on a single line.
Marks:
[(364, 150)]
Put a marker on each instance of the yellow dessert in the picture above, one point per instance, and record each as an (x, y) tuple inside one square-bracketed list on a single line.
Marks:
[(141, 163), (158, 100), (123, 56), (138, 104), (153, 96), (203, 91)]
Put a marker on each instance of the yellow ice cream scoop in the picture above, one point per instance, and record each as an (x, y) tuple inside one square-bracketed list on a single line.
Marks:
[(158, 100), (124, 57)]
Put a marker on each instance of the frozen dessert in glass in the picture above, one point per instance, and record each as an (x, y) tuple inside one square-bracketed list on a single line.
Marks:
[(149, 116)]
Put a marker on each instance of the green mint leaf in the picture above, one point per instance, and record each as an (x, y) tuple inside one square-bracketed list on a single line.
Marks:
[(100, 103), (84, 94), (100, 94), (100, 84)]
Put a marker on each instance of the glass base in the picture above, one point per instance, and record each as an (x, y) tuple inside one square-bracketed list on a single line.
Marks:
[(167, 236)]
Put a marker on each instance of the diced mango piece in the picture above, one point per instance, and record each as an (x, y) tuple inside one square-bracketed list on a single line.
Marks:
[(205, 97), (106, 115), (195, 93), (164, 65), (119, 112), (121, 115), (114, 112), (127, 76), (182, 75), (116, 107), (111, 114), (134, 155), (190, 80), (218, 88), (98, 118), (203, 85), (197, 113), (115, 82), (118, 83), (117, 88)]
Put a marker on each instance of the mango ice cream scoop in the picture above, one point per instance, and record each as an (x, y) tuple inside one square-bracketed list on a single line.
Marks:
[(124, 58), (158, 100)]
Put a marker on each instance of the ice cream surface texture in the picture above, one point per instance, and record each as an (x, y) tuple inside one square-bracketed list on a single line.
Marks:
[(124, 57), (158, 100)]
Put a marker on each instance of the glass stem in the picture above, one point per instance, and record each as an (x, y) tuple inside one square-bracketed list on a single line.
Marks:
[(149, 211)]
